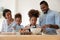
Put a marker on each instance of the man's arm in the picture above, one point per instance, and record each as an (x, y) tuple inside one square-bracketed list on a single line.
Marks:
[(57, 19)]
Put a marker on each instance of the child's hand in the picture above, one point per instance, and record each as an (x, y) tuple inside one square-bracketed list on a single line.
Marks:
[(22, 30)]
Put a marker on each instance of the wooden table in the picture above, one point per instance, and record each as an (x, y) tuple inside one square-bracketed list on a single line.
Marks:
[(29, 37)]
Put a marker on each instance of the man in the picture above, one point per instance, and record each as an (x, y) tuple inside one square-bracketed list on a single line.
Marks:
[(48, 17)]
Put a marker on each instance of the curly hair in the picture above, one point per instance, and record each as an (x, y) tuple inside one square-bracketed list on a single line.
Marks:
[(33, 13)]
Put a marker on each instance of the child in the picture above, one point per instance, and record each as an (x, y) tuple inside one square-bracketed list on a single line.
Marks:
[(18, 19), (33, 15)]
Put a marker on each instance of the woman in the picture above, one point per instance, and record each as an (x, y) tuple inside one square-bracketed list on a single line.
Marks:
[(8, 22)]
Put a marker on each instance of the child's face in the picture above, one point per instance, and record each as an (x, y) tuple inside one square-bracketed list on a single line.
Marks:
[(33, 20), (8, 15), (18, 20)]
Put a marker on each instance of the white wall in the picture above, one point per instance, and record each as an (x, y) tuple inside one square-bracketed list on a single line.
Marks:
[(9, 4), (54, 4)]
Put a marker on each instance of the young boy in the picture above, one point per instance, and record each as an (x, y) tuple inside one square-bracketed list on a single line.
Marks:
[(17, 25)]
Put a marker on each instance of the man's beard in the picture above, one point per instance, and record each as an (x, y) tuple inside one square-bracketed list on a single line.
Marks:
[(46, 11)]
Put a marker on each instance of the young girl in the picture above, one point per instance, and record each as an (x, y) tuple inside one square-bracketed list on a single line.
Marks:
[(17, 25), (8, 22), (33, 15)]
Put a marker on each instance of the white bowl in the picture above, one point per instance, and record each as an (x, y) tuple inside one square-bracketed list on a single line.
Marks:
[(35, 30)]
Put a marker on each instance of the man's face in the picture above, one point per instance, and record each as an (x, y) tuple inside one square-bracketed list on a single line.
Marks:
[(44, 8)]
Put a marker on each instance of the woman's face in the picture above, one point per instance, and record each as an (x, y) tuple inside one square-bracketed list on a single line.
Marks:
[(33, 20), (8, 15)]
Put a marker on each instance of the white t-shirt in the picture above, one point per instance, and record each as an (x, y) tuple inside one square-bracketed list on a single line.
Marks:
[(6, 27)]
